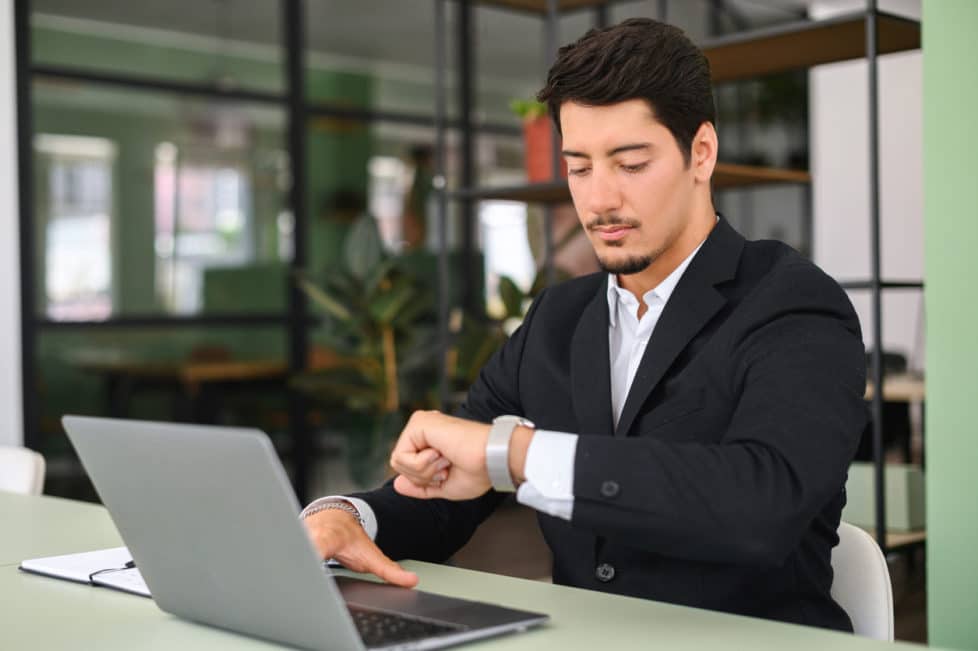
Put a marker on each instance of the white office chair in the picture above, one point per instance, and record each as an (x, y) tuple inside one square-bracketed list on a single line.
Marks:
[(21, 470), (862, 583)]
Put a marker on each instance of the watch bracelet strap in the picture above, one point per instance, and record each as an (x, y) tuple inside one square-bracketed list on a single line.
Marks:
[(497, 455)]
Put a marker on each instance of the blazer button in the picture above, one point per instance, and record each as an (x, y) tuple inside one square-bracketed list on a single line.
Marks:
[(610, 488), (605, 572)]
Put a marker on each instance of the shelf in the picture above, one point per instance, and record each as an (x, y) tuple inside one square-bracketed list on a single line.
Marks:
[(550, 192), (540, 6), (805, 44), (897, 539), (791, 46), (901, 387), (728, 175), (884, 284), (725, 176)]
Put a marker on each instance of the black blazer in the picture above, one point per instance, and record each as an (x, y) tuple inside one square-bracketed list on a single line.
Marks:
[(722, 486)]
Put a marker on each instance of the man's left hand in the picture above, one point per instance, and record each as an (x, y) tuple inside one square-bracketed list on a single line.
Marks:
[(439, 456)]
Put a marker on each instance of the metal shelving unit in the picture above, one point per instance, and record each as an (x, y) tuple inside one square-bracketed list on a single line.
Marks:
[(754, 53)]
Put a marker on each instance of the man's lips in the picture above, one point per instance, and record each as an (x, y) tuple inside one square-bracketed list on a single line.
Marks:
[(612, 233)]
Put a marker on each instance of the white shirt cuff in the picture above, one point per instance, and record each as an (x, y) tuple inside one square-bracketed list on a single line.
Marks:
[(367, 515), (549, 470)]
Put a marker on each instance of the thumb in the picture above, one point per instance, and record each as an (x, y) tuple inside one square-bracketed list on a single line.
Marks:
[(407, 488)]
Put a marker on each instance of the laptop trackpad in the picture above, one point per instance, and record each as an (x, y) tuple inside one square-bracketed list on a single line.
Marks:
[(461, 612), (383, 596)]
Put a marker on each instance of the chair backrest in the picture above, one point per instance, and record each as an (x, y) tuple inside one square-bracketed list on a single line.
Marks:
[(21, 470), (862, 583)]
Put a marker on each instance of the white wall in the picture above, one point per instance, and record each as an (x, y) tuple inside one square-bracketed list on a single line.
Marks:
[(838, 113), (11, 422)]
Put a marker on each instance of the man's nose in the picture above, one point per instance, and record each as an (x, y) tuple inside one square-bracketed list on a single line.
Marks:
[(603, 195)]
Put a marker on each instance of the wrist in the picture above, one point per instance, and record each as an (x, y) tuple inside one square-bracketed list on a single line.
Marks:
[(500, 455), (342, 509), (518, 447)]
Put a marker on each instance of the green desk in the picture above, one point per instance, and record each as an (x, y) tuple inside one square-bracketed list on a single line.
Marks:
[(43, 613)]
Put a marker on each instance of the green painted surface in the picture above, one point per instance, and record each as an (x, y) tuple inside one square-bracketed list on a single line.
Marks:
[(951, 234), (904, 497), (46, 613)]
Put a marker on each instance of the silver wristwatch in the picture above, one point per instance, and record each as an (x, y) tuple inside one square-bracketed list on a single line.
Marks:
[(497, 450)]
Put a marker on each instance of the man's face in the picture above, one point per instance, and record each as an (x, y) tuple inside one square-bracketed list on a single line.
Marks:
[(631, 186)]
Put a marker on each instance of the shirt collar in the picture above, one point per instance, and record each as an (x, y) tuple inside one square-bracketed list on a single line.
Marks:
[(662, 291)]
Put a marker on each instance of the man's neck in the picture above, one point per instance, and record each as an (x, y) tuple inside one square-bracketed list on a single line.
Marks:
[(652, 276)]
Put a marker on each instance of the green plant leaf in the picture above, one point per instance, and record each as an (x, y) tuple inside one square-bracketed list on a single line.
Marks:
[(363, 249), (386, 305), (528, 109), (419, 309), (511, 295), (322, 299), (342, 285), (386, 270)]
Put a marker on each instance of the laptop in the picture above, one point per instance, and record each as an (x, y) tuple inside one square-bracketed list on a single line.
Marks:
[(211, 521)]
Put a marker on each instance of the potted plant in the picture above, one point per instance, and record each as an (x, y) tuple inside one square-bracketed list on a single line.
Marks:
[(380, 331), (537, 140)]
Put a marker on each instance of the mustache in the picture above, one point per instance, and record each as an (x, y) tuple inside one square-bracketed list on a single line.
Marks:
[(612, 220)]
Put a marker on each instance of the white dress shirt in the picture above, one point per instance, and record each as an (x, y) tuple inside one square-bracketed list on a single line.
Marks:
[(549, 470)]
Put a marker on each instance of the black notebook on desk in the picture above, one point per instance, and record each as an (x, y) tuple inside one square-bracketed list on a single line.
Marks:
[(111, 568)]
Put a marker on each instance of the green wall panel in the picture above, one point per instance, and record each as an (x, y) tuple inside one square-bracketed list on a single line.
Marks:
[(951, 234)]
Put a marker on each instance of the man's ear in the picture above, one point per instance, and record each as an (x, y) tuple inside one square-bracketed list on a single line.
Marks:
[(703, 152)]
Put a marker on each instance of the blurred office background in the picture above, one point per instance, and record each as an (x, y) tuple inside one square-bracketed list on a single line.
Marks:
[(164, 232), (233, 209)]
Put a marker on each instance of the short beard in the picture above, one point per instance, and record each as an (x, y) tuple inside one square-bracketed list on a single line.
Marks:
[(628, 266), (631, 265)]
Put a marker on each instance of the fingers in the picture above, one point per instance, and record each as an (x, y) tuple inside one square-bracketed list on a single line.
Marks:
[(422, 468), (364, 555), (380, 565), (413, 461), (347, 542), (409, 488)]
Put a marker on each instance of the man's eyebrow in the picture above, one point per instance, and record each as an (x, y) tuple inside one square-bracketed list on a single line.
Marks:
[(631, 147), (574, 154), (613, 152)]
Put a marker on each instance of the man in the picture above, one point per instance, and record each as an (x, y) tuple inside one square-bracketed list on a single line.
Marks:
[(695, 407)]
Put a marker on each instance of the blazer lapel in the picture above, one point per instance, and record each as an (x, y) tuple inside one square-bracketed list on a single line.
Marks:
[(693, 303), (591, 367)]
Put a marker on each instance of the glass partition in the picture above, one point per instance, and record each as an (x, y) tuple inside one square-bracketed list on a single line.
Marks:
[(152, 203)]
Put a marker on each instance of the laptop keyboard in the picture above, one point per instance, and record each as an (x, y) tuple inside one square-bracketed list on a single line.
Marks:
[(379, 628)]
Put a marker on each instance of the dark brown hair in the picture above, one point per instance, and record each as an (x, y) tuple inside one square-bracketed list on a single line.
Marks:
[(638, 59)]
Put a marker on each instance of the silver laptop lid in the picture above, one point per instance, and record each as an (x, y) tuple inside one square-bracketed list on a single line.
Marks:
[(210, 518)]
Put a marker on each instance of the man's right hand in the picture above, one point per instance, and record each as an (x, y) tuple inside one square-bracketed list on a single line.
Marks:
[(339, 535)]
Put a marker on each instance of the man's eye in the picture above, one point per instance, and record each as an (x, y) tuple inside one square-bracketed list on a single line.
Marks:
[(634, 169), (580, 171)]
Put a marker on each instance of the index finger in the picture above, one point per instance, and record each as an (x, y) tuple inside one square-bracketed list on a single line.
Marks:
[(414, 462), (413, 436), (389, 571)]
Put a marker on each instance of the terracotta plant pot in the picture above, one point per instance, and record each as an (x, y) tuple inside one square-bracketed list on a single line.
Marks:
[(537, 135)]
